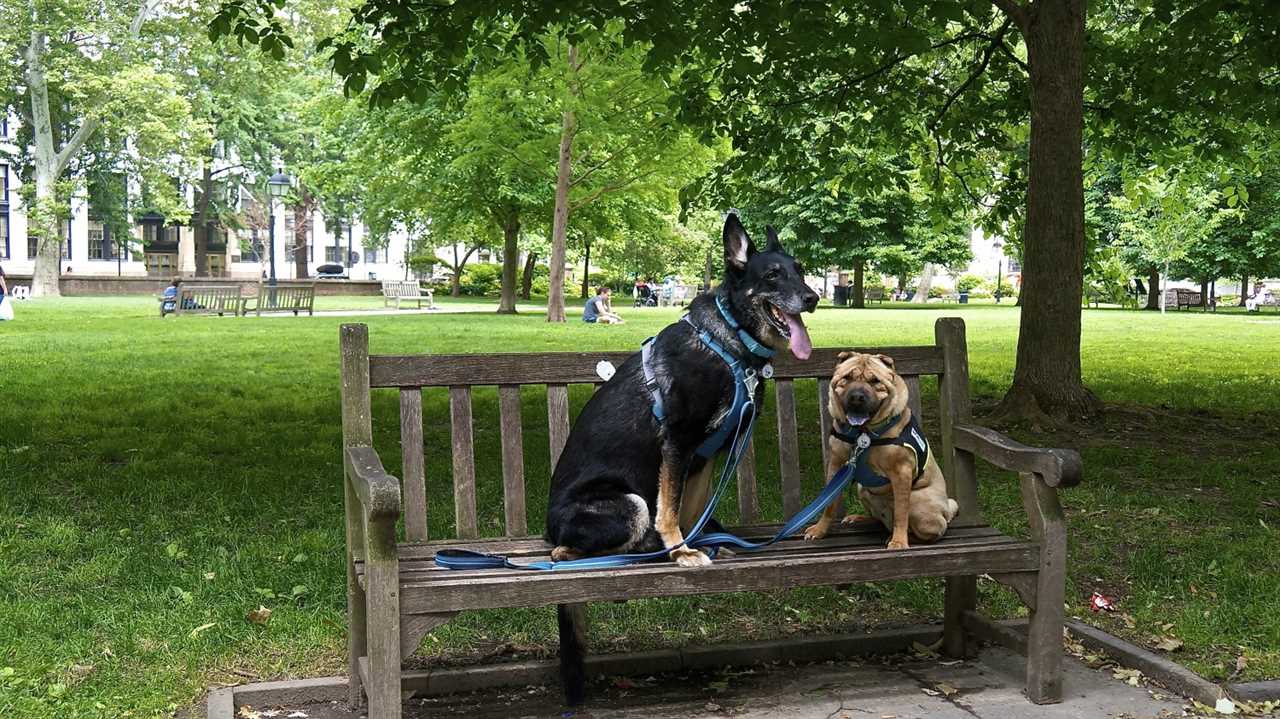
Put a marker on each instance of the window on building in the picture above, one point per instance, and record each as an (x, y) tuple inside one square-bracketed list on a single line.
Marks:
[(332, 254), (100, 247), (371, 255), (1014, 265)]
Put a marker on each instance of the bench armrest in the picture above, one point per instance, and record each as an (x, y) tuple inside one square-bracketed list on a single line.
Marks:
[(378, 491), (1058, 467)]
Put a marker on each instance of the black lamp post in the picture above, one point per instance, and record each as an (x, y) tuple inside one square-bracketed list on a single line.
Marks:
[(999, 266), (278, 186)]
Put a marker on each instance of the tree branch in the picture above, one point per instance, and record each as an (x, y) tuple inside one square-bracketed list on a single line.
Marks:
[(1015, 10), (850, 83), (977, 72), (942, 162), (574, 207)]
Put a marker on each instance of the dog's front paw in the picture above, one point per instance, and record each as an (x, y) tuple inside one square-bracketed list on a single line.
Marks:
[(897, 544), (817, 531), (686, 557)]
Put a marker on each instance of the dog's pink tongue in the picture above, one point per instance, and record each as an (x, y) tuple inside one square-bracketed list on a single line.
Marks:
[(800, 344)]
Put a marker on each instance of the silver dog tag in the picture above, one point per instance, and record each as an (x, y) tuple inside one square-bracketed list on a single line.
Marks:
[(767, 371), (864, 441)]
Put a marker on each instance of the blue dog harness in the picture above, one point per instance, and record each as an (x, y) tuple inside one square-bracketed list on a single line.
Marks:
[(910, 437), (744, 379)]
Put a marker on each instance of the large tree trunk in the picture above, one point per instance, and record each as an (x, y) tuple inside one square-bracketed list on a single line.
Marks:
[(926, 282), (857, 296), (510, 258), (1153, 288), (560, 222), (1204, 294), (1047, 382), (526, 280), (455, 282), (43, 221), (586, 273), (203, 224), (1244, 289), (301, 213)]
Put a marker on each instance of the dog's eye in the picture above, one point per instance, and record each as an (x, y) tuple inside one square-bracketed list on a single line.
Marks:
[(772, 275)]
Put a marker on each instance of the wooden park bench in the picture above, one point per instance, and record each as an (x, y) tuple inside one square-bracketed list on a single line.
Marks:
[(396, 594), (1181, 298), (950, 297), (204, 300), (874, 294), (398, 291), (292, 297)]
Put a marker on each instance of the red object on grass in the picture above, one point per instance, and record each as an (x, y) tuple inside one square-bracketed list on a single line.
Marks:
[(1100, 603)]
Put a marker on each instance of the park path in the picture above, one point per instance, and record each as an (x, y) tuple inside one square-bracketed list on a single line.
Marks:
[(989, 687)]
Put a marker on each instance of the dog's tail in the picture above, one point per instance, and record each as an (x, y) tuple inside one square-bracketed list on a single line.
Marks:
[(573, 670)]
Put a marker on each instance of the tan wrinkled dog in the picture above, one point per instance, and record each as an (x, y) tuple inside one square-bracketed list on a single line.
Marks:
[(866, 392)]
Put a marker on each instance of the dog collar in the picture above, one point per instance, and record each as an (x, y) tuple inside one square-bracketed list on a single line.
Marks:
[(753, 345)]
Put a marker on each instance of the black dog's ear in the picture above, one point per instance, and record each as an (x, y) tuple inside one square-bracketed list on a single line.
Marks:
[(737, 245), (772, 245)]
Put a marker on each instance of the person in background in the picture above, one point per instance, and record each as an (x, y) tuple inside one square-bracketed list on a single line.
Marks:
[(1260, 297), (600, 310), (170, 296), (4, 288)]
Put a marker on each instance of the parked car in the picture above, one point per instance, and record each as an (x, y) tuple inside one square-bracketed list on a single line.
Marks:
[(331, 272)]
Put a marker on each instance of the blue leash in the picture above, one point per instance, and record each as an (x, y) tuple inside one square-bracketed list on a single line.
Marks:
[(467, 559)]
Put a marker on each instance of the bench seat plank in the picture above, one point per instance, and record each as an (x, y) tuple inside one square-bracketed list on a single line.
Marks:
[(442, 592)]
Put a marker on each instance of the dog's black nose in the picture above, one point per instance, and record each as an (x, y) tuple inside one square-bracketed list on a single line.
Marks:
[(810, 300), (859, 402)]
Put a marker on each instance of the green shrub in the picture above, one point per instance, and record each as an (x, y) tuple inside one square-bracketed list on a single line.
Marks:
[(968, 283), (483, 280)]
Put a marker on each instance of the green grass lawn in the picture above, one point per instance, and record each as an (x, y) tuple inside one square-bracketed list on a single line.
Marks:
[(161, 478)]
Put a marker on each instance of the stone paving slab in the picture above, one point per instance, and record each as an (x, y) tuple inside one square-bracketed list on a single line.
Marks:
[(989, 687)]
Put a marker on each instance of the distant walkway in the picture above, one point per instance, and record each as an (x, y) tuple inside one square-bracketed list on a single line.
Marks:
[(440, 310)]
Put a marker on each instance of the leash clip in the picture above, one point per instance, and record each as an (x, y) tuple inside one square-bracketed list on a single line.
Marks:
[(749, 379)]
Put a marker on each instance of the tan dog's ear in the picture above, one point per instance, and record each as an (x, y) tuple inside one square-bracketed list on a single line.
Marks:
[(887, 360), (844, 355)]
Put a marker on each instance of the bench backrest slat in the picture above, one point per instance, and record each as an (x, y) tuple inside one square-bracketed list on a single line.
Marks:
[(414, 469), (464, 463), (824, 417), (748, 499), (512, 461), (562, 368), (954, 408), (557, 419), (788, 446), (913, 401)]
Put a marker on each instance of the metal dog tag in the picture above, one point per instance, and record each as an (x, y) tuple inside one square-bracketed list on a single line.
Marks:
[(767, 371), (864, 441)]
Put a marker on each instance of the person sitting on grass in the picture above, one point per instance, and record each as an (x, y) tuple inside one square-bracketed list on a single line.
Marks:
[(600, 310)]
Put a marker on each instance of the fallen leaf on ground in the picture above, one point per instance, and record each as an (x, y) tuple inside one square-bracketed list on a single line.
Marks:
[(1129, 676), (1169, 644), (947, 689), (261, 615), (931, 692), (1225, 706), (712, 707), (248, 712), (1241, 663), (196, 632)]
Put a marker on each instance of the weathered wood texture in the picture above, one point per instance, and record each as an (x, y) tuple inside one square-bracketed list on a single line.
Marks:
[(580, 367), (557, 419), (411, 449), (464, 464), (788, 447), (512, 461), (748, 500)]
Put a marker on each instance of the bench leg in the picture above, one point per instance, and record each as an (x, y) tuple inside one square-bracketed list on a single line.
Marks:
[(1044, 631), (357, 620), (961, 597), (382, 582)]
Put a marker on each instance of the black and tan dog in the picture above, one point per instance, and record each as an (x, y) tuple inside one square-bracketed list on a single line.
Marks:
[(628, 481), (867, 395)]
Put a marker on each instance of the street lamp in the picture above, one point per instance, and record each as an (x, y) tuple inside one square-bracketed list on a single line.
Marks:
[(278, 186), (999, 265)]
